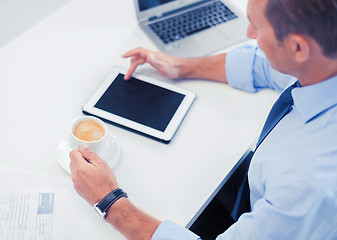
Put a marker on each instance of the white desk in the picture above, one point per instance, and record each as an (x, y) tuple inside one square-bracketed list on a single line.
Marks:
[(49, 72)]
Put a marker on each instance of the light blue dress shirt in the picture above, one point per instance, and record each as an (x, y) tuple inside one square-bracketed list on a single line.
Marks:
[(293, 174)]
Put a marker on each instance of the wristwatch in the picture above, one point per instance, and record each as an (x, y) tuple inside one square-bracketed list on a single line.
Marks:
[(102, 207)]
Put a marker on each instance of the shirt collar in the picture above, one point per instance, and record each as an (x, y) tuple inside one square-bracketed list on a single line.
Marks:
[(313, 99)]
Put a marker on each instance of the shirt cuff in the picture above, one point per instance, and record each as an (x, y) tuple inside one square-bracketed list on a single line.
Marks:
[(239, 67), (169, 230)]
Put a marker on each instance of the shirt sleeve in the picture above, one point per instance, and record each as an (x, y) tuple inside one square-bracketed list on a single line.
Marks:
[(169, 230), (248, 69)]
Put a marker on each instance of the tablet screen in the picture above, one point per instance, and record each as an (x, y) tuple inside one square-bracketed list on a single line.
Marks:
[(141, 102)]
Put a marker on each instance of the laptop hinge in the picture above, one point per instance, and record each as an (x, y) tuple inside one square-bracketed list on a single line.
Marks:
[(178, 10)]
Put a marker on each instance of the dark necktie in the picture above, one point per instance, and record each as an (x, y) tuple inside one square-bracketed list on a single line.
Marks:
[(281, 108)]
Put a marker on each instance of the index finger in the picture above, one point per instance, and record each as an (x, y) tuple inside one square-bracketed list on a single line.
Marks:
[(132, 68), (137, 51), (76, 160)]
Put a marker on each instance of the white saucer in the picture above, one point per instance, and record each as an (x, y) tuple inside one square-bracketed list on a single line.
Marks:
[(110, 154)]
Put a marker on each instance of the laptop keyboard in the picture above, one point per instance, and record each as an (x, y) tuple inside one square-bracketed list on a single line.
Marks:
[(185, 24)]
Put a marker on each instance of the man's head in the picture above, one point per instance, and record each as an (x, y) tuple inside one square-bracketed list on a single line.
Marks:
[(297, 36), (313, 18)]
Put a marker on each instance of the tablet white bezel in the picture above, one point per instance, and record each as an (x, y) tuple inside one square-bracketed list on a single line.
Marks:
[(166, 136)]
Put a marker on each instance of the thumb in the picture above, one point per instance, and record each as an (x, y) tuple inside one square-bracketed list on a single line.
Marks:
[(90, 155)]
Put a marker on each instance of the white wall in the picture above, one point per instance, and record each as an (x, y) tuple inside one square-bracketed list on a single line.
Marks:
[(16, 16)]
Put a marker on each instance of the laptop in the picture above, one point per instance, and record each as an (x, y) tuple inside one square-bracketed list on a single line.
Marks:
[(216, 215), (191, 28)]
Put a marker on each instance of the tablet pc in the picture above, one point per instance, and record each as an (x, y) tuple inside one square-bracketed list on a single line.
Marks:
[(141, 104)]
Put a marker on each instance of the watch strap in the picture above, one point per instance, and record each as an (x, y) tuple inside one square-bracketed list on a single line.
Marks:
[(108, 200)]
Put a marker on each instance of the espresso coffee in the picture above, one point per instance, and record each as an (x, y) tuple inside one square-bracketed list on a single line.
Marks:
[(89, 130)]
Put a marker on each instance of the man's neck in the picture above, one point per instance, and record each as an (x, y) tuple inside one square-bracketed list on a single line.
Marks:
[(317, 71)]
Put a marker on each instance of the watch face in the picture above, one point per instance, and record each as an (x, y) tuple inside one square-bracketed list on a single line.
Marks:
[(99, 212), (102, 206)]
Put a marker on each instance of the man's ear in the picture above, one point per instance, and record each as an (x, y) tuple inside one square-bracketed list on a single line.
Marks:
[(300, 47)]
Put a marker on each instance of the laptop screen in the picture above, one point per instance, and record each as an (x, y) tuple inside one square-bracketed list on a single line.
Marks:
[(147, 4)]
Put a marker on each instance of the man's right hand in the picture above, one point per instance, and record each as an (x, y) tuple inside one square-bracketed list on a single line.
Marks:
[(167, 65), (210, 67)]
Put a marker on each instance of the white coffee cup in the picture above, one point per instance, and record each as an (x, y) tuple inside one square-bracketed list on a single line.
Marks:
[(88, 131)]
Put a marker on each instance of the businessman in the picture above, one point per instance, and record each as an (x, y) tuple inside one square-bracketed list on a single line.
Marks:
[(293, 174)]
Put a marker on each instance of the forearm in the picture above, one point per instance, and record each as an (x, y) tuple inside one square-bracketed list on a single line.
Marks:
[(130, 221), (93, 180), (211, 68)]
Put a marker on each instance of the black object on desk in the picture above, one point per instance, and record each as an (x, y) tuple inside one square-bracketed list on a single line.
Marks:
[(214, 217), (142, 104)]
